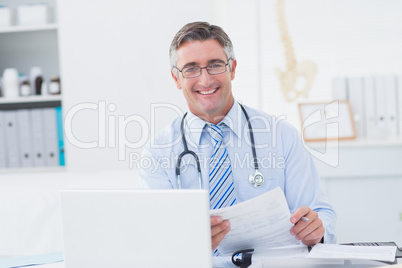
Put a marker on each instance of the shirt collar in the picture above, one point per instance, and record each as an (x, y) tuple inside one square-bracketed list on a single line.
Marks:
[(196, 125)]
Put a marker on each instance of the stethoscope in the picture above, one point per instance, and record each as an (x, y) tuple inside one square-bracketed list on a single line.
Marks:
[(256, 178)]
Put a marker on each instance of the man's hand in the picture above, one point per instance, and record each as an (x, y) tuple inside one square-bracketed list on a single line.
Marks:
[(219, 228), (309, 232)]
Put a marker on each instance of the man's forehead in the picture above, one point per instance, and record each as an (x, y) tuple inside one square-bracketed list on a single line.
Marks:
[(197, 51)]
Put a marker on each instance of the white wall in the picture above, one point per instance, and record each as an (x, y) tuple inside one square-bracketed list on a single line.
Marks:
[(117, 52), (349, 37)]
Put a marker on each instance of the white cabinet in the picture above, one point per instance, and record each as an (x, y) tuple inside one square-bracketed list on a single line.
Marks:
[(365, 189), (23, 47)]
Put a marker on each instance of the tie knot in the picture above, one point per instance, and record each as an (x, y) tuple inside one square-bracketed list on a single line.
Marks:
[(216, 131)]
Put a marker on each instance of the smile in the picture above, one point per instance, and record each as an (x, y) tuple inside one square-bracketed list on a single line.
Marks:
[(208, 92)]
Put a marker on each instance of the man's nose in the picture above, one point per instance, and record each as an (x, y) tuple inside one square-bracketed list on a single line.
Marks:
[(204, 76)]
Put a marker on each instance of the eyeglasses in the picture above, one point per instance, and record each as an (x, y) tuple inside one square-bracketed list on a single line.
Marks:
[(212, 69)]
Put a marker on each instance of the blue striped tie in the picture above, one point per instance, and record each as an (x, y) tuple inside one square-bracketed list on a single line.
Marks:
[(221, 187)]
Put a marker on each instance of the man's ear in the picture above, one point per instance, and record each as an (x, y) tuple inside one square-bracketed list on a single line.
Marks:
[(233, 70), (176, 79)]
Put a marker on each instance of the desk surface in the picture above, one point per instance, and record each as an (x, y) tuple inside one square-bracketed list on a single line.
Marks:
[(61, 265)]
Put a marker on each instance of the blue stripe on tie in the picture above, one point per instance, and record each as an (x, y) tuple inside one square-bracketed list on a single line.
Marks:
[(217, 130), (220, 184), (220, 180), (222, 192), (224, 195), (218, 163), (212, 197)]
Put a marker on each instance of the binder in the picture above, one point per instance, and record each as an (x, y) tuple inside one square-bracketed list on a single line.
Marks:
[(12, 147), (390, 105), (38, 140), (399, 105), (25, 137), (381, 104), (356, 99), (60, 134), (3, 158), (50, 137), (339, 88), (370, 110)]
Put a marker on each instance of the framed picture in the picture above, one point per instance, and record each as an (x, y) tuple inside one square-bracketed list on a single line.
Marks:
[(327, 121)]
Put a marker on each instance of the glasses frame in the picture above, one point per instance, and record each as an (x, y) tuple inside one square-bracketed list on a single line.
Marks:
[(205, 67)]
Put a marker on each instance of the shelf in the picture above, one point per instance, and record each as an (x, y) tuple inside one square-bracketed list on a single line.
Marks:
[(386, 142), (29, 99), (31, 28), (32, 170)]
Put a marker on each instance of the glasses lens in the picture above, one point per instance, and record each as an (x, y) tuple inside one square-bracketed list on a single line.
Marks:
[(216, 68), (191, 71)]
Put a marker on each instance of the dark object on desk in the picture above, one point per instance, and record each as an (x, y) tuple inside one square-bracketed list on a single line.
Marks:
[(245, 258), (398, 253)]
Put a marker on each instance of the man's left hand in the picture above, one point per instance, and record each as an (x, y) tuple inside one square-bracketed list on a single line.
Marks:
[(309, 232)]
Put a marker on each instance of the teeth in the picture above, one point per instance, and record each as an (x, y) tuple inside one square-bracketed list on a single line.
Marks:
[(207, 92)]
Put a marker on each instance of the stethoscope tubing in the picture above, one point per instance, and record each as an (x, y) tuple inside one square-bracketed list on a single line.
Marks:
[(187, 151)]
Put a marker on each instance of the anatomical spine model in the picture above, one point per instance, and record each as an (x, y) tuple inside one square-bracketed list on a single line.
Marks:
[(306, 69)]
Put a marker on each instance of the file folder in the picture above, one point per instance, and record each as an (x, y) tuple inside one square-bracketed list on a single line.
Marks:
[(25, 137), (12, 139), (3, 159), (399, 105), (390, 100), (381, 105), (370, 107), (339, 88), (356, 99), (51, 137), (60, 134), (38, 140)]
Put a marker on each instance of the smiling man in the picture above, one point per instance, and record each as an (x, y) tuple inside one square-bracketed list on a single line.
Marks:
[(236, 163)]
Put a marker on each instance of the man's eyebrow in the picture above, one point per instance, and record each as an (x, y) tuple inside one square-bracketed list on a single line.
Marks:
[(193, 63), (190, 64), (216, 60)]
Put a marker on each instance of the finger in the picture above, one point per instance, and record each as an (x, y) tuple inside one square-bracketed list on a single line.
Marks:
[(218, 228), (300, 212), (310, 225), (308, 229), (218, 237), (314, 237), (216, 220), (299, 226)]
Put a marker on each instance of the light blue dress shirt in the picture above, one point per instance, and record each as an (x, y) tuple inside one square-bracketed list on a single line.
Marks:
[(282, 160)]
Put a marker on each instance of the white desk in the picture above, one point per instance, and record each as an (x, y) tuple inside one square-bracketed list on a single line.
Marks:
[(61, 265)]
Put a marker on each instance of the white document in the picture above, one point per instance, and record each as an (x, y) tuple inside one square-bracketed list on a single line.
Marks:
[(331, 251), (259, 223)]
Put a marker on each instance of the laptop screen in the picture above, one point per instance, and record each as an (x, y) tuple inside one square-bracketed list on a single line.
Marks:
[(136, 228)]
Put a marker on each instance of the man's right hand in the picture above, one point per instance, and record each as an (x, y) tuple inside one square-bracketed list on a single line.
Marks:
[(219, 228)]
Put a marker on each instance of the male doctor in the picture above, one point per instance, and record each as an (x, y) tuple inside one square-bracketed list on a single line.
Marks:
[(203, 65)]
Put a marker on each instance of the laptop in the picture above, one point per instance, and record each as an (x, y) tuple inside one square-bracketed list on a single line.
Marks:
[(136, 228)]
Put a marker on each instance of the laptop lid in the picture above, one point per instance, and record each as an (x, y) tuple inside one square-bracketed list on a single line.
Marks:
[(136, 228)]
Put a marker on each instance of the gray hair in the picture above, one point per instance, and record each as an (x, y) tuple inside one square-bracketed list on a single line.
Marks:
[(200, 31)]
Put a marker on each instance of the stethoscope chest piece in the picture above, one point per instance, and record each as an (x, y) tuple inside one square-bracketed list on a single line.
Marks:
[(256, 179)]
